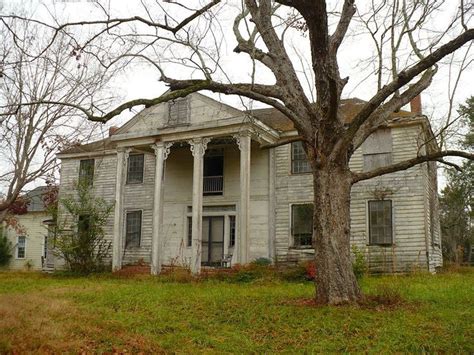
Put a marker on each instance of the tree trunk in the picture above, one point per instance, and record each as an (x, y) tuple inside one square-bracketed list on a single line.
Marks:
[(335, 280)]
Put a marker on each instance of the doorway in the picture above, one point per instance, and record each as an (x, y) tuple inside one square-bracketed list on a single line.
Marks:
[(212, 240)]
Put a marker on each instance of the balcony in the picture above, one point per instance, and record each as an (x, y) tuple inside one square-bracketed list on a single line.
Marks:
[(213, 185)]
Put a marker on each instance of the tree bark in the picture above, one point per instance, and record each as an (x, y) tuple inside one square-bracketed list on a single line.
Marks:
[(335, 280)]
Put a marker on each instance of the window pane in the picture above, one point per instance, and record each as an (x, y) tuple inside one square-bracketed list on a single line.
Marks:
[(21, 247), (302, 224), (133, 229), (299, 161), (190, 231), (380, 222), (232, 231), (135, 168), (86, 171), (374, 161)]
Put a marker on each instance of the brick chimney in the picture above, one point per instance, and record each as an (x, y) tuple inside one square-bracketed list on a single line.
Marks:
[(415, 105), (112, 130)]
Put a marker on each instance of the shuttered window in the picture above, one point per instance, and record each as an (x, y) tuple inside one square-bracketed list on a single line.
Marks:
[(178, 111), (21, 247), (190, 232), (135, 169), (380, 222), (302, 225), (377, 149), (86, 172), (299, 160), (133, 229), (232, 231)]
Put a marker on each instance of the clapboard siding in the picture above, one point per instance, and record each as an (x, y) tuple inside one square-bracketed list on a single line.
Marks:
[(406, 189)]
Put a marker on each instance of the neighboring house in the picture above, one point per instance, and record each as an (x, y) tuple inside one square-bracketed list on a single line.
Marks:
[(31, 246), (192, 185)]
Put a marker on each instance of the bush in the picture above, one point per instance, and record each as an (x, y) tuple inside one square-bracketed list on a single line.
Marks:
[(81, 242), (359, 264), (5, 249), (262, 262)]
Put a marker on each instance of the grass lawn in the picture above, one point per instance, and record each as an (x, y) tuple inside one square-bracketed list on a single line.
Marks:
[(44, 313)]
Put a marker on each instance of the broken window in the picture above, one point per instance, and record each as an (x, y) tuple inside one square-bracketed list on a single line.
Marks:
[(299, 160), (380, 222), (178, 111), (377, 149), (302, 225), (135, 169), (133, 229)]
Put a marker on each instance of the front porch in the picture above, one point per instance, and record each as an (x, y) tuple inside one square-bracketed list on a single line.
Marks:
[(217, 224)]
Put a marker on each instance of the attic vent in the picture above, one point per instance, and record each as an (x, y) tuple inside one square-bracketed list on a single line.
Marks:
[(178, 111)]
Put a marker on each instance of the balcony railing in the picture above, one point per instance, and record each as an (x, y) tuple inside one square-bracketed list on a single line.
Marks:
[(213, 185)]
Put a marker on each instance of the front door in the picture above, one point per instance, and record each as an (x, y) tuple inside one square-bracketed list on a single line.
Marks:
[(212, 240)]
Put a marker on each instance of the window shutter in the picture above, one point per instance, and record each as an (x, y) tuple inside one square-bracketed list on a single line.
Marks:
[(178, 111)]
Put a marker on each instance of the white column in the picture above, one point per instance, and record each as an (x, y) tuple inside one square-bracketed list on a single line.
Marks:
[(198, 148), (162, 151), (244, 142), (122, 156)]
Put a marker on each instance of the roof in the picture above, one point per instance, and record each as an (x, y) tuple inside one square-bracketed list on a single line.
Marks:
[(349, 108), (103, 144), (35, 199)]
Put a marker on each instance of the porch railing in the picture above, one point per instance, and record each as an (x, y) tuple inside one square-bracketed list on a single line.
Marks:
[(213, 184)]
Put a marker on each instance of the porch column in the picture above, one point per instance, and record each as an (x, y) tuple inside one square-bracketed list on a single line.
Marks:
[(244, 143), (122, 156), (162, 151), (198, 148)]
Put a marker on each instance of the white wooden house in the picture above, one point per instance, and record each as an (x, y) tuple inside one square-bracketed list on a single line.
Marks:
[(192, 185)]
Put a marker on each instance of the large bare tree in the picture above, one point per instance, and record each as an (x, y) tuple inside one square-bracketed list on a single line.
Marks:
[(172, 35)]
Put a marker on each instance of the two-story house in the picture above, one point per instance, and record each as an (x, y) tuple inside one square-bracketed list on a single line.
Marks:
[(192, 186)]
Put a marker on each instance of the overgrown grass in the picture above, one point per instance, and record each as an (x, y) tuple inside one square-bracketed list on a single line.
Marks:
[(103, 313)]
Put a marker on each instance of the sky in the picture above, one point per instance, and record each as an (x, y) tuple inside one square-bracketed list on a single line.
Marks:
[(141, 81)]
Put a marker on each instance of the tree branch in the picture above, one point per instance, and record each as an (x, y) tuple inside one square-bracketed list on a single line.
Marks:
[(356, 177)]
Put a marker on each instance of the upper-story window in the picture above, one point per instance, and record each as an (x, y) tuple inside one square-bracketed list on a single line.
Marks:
[(213, 177), (135, 169), (178, 111), (299, 161), (86, 172), (302, 225), (377, 149), (380, 222)]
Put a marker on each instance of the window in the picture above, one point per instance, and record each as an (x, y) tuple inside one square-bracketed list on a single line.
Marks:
[(299, 160), (21, 247), (213, 172), (232, 231), (83, 226), (302, 225), (86, 172), (178, 111), (190, 232), (133, 229), (135, 169), (380, 222), (377, 149)]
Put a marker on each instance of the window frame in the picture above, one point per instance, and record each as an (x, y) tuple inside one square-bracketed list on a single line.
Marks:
[(127, 212), (18, 247), (392, 226), (292, 236), (292, 160), (88, 179), (127, 180), (178, 122)]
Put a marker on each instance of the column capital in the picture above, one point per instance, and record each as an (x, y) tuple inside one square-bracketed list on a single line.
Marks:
[(165, 148), (199, 145), (238, 137)]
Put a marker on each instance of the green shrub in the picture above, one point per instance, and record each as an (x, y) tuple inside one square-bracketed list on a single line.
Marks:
[(262, 262), (5, 249), (359, 264)]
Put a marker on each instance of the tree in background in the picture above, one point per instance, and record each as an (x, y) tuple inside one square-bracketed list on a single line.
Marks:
[(186, 47), (32, 134), (80, 239), (457, 199)]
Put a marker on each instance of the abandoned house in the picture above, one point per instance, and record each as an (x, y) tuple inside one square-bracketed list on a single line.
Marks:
[(192, 186)]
